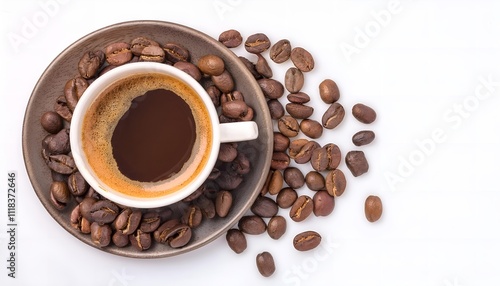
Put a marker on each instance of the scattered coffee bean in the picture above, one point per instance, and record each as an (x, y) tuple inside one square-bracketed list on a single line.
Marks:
[(100, 234), (152, 54), (175, 52), (363, 137), (280, 161), (311, 128), (252, 224), (60, 193), (323, 203), (271, 88), (73, 90), (280, 142), (276, 227), (373, 208), (364, 113), (280, 51), (302, 59), (315, 181), (299, 111), (301, 208), (58, 143), (127, 221), (264, 207), (293, 177), (286, 198), (236, 240), (138, 44), (356, 162), (262, 67), (276, 182), (275, 109), (303, 153), (195, 73), (250, 67), (150, 221), (329, 91), (119, 239), (231, 38), (90, 63), (335, 183), (306, 240), (118, 53), (265, 264), (257, 43), (211, 65), (299, 97), (294, 80), (224, 82), (77, 184), (51, 122), (180, 236), (288, 126), (192, 216), (223, 203), (333, 116), (140, 240)]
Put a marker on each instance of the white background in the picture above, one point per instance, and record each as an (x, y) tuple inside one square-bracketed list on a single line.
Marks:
[(421, 64)]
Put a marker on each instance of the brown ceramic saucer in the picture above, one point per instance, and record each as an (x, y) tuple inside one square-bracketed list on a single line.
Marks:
[(63, 67)]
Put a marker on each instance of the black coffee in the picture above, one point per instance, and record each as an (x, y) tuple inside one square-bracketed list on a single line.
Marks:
[(155, 137)]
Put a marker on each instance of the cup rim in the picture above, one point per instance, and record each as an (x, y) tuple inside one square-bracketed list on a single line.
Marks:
[(94, 90)]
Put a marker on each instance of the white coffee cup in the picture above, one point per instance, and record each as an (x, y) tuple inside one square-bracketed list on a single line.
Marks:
[(225, 132)]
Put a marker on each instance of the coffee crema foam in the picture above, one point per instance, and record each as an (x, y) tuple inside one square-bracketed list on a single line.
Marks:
[(106, 111)]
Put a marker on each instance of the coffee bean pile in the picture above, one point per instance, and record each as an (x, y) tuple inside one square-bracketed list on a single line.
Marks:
[(108, 223), (325, 179)]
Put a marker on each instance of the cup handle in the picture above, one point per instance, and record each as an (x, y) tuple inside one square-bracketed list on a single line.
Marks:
[(238, 131)]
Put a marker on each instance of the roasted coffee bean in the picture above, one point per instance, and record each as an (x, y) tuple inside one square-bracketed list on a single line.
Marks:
[(280, 51), (271, 88), (236, 240), (302, 59), (224, 82), (231, 38), (262, 67), (232, 96), (364, 113), (299, 111), (311, 128), (275, 109), (223, 203), (228, 181), (295, 146), (276, 227), (265, 188), (319, 159), (77, 221), (299, 97), (252, 224), (304, 154), (181, 236), (57, 143), (265, 264), (250, 67), (192, 216), (207, 206), (294, 80), (140, 240), (175, 52), (264, 207), (138, 44), (63, 164), (90, 63), (191, 70), (257, 43), (166, 230), (335, 183), (280, 142), (211, 65), (73, 90), (329, 91), (363, 137), (150, 221), (315, 181), (234, 109), (60, 193), (77, 184), (118, 53), (241, 165), (214, 93), (127, 221), (58, 205), (103, 211), (276, 182), (119, 239), (356, 162), (306, 240), (294, 177), (288, 126), (86, 207), (51, 122), (323, 203), (286, 198), (333, 116), (100, 234), (280, 161), (61, 108), (334, 156), (373, 208), (301, 208), (152, 54)]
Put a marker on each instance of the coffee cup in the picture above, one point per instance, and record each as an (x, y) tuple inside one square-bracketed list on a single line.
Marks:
[(147, 135)]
